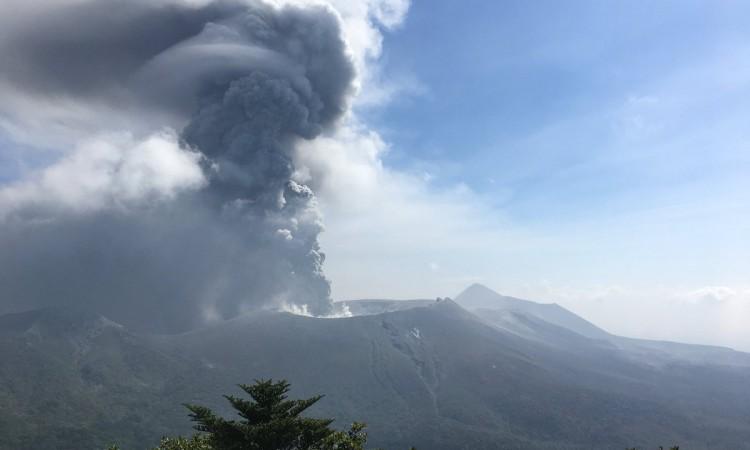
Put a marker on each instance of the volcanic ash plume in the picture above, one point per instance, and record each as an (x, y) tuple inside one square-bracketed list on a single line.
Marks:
[(161, 230)]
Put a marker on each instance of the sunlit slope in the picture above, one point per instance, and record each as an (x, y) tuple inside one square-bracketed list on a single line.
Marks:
[(478, 297), (556, 326)]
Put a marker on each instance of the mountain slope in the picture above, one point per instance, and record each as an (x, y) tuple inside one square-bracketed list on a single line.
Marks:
[(433, 376), (368, 307), (479, 298), (555, 326), (74, 380)]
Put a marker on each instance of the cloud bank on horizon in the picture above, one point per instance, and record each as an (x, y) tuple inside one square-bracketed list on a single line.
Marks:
[(173, 195)]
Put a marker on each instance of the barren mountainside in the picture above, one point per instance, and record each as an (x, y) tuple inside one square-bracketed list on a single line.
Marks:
[(433, 375)]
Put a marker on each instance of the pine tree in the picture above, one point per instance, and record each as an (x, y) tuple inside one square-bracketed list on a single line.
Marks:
[(269, 421)]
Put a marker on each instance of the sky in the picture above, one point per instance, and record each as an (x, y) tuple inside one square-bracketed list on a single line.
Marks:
[(594, 154)]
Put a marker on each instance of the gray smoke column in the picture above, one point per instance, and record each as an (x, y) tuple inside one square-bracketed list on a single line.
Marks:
[(152, 246)]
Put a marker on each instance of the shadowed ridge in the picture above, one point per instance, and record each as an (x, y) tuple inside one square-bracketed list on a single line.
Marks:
[(55, 322)]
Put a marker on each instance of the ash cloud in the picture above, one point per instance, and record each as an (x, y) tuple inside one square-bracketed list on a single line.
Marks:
[(162, 230)]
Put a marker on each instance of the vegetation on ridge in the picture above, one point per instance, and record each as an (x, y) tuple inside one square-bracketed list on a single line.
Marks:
[(269, 421)]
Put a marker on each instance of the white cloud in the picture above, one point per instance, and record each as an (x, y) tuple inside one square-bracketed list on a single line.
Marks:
[(702, 315), (362, 22), (710, 295), (111, 171), (386, 228)]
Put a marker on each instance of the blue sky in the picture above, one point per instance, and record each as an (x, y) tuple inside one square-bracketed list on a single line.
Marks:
[(570, 104), (608, 141), (562, 114)]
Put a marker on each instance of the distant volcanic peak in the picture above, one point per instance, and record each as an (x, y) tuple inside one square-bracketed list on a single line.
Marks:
[(478, 288), (478, 295)]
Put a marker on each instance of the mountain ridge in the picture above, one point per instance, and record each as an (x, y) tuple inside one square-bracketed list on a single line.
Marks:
[(434, 376), (478, 296)]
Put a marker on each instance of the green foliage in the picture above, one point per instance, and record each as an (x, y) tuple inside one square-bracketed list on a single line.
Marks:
[(660, 448), (271, 421), (197, 442), (354, 439)]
